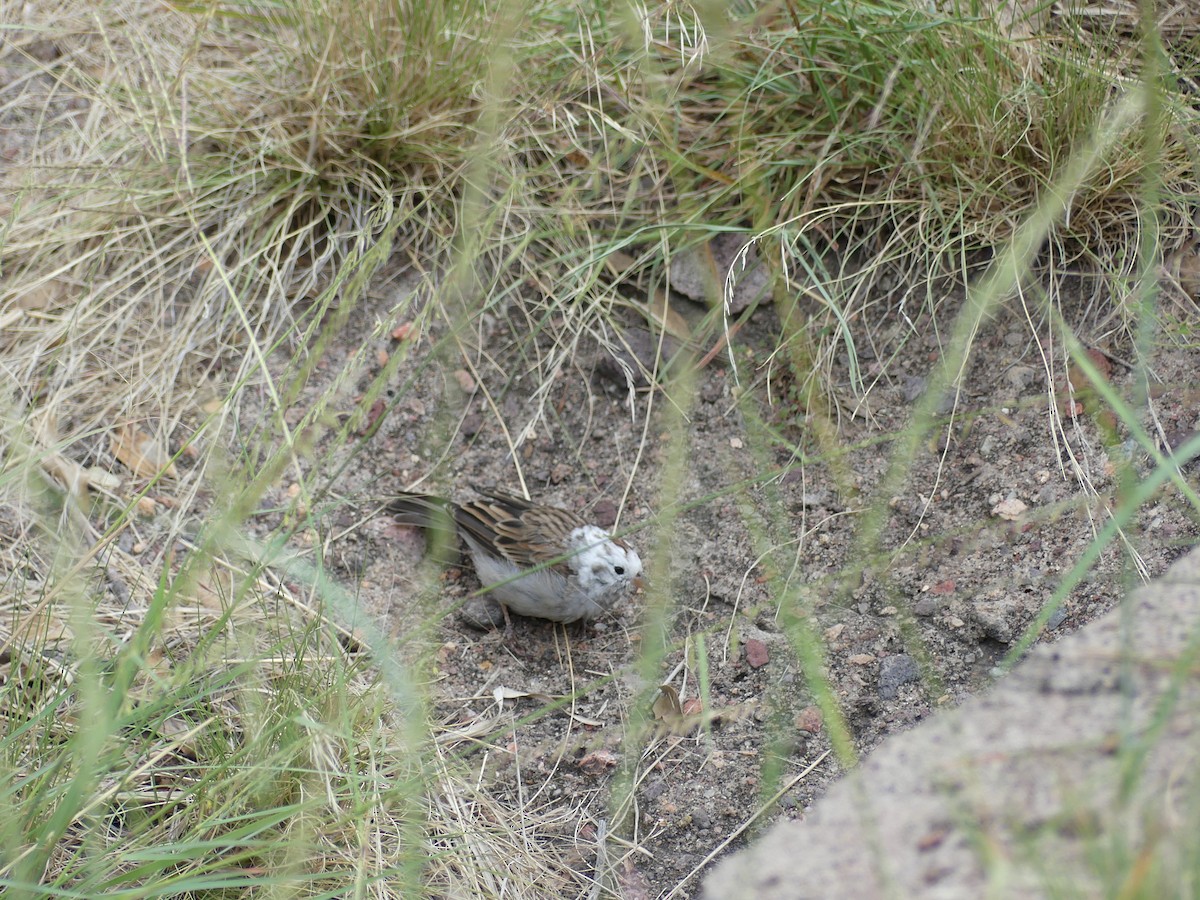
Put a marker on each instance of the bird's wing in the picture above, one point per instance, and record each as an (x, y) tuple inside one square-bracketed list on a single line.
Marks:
[(513, 529)]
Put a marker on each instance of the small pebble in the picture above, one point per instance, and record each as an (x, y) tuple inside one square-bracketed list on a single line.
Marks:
[(895, 671), (756, 653), (809, 720), (471, 424), (634, 357), (912, 387), (654, 789), (712, 390), (466, 381), (604, 513), (925, 607), (1057, 618)]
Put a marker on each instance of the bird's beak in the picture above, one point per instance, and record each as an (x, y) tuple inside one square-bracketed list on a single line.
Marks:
[(640, 583)]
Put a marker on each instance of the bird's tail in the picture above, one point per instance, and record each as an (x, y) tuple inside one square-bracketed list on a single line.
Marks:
[(433, 514)]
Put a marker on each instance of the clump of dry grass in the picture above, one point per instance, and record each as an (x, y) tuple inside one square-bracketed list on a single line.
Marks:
[(174, 245)]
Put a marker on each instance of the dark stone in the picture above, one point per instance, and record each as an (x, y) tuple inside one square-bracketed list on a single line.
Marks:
[(895, 671)]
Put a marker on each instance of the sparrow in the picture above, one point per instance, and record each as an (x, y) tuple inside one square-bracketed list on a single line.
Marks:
[(540, 561)]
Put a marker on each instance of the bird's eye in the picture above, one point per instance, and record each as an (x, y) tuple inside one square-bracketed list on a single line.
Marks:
[(620, 570)]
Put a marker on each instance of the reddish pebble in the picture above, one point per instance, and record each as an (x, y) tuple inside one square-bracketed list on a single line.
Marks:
[(809, 719), (604, 513), (756, 653), (465, 381)]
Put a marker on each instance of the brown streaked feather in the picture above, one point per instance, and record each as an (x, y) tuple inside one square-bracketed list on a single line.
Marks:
[(508, 526), (528, 536)]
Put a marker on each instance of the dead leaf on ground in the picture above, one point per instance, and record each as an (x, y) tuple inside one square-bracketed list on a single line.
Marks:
[(667, 707), (598, 762), (633, 882), (374, 414), (140, 453), (477, 728), (1077, 393)]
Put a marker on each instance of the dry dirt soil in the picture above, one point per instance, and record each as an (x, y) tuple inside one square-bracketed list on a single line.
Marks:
[(967, 569)]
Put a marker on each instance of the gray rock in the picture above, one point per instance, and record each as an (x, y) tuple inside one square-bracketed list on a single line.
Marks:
[(700, 273), (925, 607), (998, 612), (895, 671), (912, 387), (1012, 794)]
